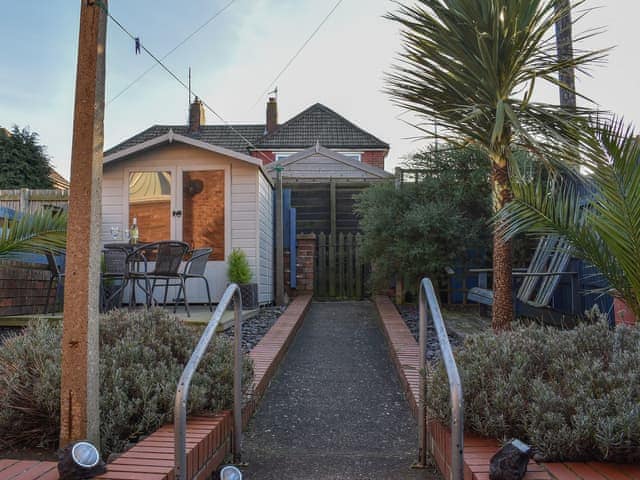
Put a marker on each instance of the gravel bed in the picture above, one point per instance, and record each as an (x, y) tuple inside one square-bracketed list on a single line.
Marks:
[(410, 316), (255, 328), (6, 332)]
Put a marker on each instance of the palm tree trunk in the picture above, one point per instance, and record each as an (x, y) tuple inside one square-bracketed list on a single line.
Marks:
[(502, 262)]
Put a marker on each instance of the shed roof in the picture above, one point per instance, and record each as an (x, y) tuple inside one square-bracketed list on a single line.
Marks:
[(321, 164)]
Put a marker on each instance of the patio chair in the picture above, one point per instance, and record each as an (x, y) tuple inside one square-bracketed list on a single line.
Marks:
[(539, 281), (56, 271), (194, 269), (167, 256), (113, 279)]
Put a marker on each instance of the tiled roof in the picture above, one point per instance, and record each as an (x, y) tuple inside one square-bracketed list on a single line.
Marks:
[(315, 124), (220, 135), (319, 124)]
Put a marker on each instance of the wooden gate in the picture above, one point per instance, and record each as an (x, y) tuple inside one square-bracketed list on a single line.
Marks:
[(340, 269)]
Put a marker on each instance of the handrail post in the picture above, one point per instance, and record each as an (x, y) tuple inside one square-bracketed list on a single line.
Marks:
[(428, 297), (237, 379), (182, 392)]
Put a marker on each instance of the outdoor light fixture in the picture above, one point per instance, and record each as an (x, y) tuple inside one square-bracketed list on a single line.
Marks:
[(230, 472), (79, 461), (510, 463)]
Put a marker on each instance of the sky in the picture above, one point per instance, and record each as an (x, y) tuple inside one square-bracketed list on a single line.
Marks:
[(235, 58)]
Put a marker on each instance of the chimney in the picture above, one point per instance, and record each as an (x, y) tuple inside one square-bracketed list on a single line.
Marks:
[(196, 116), (272, 115)]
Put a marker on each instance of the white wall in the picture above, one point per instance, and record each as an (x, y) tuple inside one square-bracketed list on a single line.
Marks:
[(242, 202)]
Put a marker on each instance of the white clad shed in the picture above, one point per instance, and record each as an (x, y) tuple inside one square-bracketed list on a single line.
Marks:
[(182, 188)]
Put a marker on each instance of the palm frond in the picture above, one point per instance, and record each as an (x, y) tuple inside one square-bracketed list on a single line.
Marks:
[(599, 215), (37, 232)]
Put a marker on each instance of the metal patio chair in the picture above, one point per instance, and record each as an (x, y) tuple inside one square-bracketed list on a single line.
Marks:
[(168, 256), (194, 269), (57, 274), (113, 278)]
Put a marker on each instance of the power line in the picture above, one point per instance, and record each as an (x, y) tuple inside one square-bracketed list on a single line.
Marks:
[(178, 79), (288, 64), (185, 40)]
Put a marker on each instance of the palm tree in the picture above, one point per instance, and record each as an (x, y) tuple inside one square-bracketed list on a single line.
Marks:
[(37, 232), (472, 65), (599, 214)]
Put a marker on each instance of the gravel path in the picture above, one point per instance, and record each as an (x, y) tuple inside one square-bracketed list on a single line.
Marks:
[(335, 409)]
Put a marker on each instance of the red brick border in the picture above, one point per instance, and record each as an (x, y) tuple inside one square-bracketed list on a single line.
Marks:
[(208, 438), (404, 353)]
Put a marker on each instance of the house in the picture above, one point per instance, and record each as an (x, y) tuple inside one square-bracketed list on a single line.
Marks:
[(316, 124), (180, 185)]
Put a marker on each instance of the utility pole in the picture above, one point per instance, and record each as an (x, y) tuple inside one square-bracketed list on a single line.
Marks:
[(564, 46), (279, 238), (79, 393)]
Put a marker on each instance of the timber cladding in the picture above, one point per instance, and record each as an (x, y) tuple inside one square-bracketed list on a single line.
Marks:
[(313, 205)]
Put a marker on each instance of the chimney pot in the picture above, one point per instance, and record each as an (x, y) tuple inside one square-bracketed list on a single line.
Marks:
[(272, 115), (196, 116)]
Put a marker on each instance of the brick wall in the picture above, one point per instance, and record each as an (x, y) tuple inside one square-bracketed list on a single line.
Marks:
[(23, 288), (374, 158), (203, 213), (266, 157), (305, 267)]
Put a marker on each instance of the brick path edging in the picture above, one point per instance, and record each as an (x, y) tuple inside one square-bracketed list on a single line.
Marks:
[(404, 352), (208, 438)]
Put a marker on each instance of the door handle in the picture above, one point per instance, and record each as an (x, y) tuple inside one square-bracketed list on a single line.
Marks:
[(177, 213)]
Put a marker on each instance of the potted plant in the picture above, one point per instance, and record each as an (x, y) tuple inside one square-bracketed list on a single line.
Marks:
[(239, 272)]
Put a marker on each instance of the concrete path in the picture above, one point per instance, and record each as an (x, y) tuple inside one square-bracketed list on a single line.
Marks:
[(335, 409)]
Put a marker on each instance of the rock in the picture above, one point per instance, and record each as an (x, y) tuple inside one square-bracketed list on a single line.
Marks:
[(510, 463)]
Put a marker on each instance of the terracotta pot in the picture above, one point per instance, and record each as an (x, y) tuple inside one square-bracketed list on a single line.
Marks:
[(623, 314)]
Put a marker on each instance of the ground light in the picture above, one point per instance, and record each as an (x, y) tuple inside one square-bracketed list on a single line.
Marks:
[(230, 472), (79, 460)]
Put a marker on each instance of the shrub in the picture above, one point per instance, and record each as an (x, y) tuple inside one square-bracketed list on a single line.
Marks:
[(239, 271), (573, 395), (142, 355)]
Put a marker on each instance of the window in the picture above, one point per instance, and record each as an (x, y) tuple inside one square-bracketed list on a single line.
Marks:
[(357, 156), (283, 155), (150, 204)]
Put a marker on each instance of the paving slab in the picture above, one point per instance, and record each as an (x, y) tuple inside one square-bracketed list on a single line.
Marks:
[(335, 409)]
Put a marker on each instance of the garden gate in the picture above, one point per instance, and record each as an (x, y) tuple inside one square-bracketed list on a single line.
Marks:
[(340, 270)]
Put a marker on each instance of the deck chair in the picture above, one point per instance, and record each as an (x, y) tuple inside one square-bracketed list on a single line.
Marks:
[(538, 282)]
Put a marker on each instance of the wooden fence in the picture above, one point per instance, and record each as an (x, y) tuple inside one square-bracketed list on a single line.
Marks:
[(27, 200), (340, 270)]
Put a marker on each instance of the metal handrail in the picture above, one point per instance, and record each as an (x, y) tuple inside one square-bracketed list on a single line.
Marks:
[(182, 393), (455, 386)]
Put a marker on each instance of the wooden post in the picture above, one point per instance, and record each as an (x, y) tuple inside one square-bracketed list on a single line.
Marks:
[(332, 195), (79, 393), (24, 200), (279, 239)]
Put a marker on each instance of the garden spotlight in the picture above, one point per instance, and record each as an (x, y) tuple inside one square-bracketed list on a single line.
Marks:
[(230, 472), (80, 460)]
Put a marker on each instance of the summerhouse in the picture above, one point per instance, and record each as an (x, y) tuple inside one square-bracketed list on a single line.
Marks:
[(180, 185)]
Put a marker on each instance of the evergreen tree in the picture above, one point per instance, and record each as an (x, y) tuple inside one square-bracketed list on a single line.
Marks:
[(23, 161)]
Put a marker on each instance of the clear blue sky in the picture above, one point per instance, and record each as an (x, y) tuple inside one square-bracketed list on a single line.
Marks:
[(235, 58)]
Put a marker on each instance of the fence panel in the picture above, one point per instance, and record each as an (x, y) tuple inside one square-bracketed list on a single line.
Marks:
[(340, 270)]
